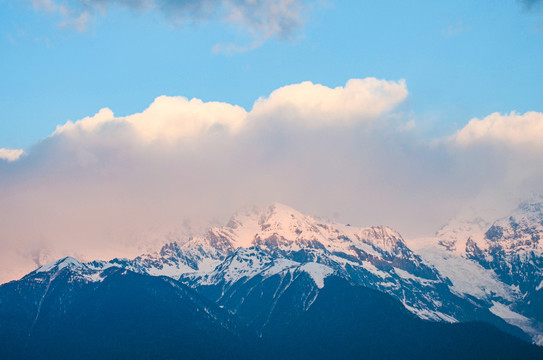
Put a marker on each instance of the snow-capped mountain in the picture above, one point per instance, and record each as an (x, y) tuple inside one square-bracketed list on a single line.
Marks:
[(277, 239), (270, 269), (286, 233), (454, 235), (274, 245), (498, 263)]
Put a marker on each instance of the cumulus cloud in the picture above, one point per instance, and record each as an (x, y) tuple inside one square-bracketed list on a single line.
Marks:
[(168, 119), (321, 106), (263, 18), (108, 186), (513, 130), (10, 154), (305, 104)]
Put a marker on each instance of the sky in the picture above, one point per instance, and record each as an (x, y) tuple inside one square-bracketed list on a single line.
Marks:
[(124, 122)]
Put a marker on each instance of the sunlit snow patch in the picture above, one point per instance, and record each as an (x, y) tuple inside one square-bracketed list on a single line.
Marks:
[(318, 272)]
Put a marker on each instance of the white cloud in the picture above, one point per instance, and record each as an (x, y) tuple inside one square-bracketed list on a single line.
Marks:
[(504, 151), (320, 106), (90, 123), (172, 118), (512, 130), (306, 104), (10, 154), (168, 119)]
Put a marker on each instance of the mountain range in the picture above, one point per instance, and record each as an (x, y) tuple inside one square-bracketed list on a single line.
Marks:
[(276, 283)]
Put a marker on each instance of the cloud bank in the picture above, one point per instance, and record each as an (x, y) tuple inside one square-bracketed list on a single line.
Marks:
[(107, 186)]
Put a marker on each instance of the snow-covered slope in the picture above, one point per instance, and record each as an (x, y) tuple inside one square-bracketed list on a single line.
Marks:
[(454, 235), (500, 264), (78, 271)]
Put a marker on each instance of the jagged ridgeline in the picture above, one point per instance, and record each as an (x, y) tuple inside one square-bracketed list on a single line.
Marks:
[(274, 283)]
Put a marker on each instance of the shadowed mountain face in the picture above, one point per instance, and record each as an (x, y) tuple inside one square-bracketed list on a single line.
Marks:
[(123, 315), (353, 322), (272, 283)]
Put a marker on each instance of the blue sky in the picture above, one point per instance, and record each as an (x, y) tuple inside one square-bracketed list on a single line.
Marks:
[(460, 59)]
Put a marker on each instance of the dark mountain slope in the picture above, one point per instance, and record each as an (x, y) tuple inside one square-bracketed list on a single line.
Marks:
[(126, 315), (65, 313), (352, 322)]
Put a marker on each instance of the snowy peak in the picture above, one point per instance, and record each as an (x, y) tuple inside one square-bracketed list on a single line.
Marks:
[(509, 245), (529, 211), (383, 237), (278, 226), (279, 217), (250, 226), (533, 207), (67, 262), (270, 239), (281, 232), (521, 231), (454, 236), (71, 268), (259, 243), (275, 213)]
